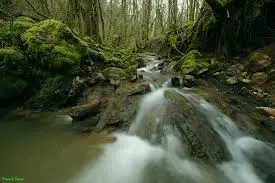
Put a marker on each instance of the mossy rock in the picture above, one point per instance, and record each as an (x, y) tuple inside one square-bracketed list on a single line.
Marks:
[(257, 61), (194, 62), (113, 73), (23, 23), (53, 44), (11, 88), (131, 71), (10, 55)]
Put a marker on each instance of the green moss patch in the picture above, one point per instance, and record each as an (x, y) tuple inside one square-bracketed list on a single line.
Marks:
[(115, 73), (193, 62)]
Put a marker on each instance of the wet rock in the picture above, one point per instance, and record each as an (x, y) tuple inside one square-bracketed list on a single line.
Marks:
[(140, 62), (161, 66), (129, 89), (174, 114), (82, 111), (259, 78), (120, 111), (188, 80), (175, 82)]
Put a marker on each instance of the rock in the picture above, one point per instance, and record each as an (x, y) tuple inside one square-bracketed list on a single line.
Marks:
[(244, 74), (188, 80), (120, 111), (100, 77), (232, 80), (161, 66), (257, 62), (132, 73), (235, 70), (268, 110), (175, 82), (91, 81), (114, 73), (82, 111), (130, 89), (140, 62), (115, 83), (202, 71), (246, 81), (259, 78), (174, 114), (193, 63)]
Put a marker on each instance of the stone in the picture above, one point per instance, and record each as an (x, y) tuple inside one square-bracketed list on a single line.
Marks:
[(259, 78), (175, 82), (232, 80), (268, 110), (188, 80), (246, 81), (161, 66), (186, 122), (257, 62), (81, 111), (193, 63)]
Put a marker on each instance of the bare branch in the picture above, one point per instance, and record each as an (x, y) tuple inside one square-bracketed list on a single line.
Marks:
[(36, 11)]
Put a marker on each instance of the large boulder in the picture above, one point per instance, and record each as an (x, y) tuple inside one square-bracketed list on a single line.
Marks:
[(54, 47), (166, 112), (45, 56)]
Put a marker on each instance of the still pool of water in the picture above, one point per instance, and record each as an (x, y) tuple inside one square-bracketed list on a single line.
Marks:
[(40, 151)]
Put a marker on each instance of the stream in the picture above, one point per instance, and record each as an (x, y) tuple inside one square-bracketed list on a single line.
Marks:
[(153, 150)]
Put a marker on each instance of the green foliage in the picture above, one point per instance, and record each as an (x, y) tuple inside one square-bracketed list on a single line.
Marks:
[(193, 62), (177, 39)]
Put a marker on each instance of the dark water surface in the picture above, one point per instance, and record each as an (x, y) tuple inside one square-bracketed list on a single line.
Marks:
[(43, 151)]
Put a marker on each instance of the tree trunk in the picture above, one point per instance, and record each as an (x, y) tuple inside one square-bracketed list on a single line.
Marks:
[(233, 28)]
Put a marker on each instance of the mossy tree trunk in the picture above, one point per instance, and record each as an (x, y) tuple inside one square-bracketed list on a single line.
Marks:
[(232, 27)]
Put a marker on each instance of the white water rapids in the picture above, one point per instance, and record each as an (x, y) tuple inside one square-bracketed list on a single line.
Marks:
[(132, 159)]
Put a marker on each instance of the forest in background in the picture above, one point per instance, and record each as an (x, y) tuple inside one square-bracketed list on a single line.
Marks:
[(130, 23), (47, 44)]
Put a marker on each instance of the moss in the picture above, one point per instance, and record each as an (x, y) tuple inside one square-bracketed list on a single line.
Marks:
[(11, 57), (193, 62), (11, 88), (131, 70), (10, 53), (114, 73), (23, 23), (52, 90), (257, 56), (55, 46)]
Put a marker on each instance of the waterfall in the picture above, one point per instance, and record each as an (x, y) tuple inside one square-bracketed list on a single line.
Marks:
[(153, 152)]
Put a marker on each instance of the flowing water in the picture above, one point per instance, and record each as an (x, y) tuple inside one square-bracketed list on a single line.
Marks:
[(151, 152)]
